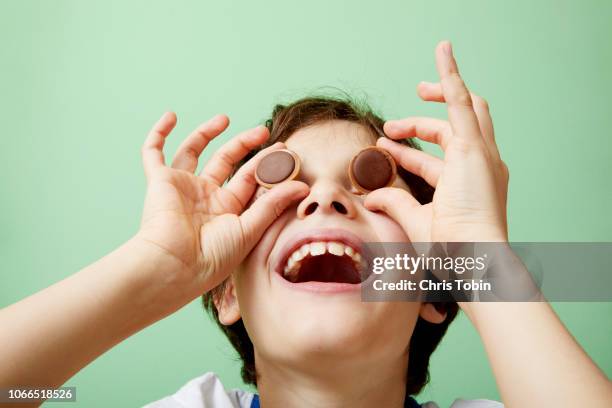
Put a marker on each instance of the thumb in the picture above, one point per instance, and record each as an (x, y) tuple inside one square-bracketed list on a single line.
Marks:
[(228, 238), (268, 208), (398, 204)]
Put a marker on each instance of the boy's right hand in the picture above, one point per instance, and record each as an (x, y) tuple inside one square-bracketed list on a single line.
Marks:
[(194, 233), (193, 221)]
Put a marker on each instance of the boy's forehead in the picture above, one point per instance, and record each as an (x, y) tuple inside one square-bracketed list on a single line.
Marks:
[(330, 139)]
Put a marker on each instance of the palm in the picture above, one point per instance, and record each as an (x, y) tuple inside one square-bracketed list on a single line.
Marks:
[(461, 208), (178, 204)]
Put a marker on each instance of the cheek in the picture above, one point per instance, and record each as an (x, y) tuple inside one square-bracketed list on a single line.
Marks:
[(258, 257), (252, 279), (252, 293), (253, 271)]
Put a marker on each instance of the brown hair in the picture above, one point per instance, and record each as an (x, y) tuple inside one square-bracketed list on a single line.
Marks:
[(285, 120)]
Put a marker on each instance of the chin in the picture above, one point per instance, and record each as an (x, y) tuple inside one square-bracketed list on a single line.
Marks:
[(327, 339), (333, 327)]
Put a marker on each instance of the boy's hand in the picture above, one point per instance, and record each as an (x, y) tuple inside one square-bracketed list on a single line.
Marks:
[(471, 181), (195, 221)]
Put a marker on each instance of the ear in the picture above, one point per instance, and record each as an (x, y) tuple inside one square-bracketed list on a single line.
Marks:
[(433, 312), (227, 303)]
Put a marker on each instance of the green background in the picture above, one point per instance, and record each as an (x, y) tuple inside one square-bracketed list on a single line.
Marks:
[(83, 81)]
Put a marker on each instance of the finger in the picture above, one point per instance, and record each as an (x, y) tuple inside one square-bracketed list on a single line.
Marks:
[(481, 108), (152, 149), (243, 184), (269, 207), (415, 161), (461, 114), (222, 163), (186, 157), (432, 92), (428, 129), (398, 204)]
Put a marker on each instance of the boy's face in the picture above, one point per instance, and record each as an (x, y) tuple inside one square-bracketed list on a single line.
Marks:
[(298, 322)]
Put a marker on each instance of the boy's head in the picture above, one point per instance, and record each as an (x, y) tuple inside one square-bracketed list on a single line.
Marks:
[(292, 325)]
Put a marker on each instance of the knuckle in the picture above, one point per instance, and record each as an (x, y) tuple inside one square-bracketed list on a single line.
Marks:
[(398, 195), (505, 170), (224, 156), (463, 98), (245, 144), (460, 145), (207, 264), (458, 92), (446, 128), (190, 152), (485, 104), (424, 170), (480, 102), (454, 76), (248, 178), (279, 207), (203, 134)]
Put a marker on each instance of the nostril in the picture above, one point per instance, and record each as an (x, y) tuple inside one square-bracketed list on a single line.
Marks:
[(339, 207), (312, 207)]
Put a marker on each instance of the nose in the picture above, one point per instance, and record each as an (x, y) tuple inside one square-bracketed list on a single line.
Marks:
[(327, 197)]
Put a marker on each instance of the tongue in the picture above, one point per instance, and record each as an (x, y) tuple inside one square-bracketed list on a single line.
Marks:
[(328, 268)]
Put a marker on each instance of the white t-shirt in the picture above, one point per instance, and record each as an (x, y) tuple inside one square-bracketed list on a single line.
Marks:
[(206, 391)]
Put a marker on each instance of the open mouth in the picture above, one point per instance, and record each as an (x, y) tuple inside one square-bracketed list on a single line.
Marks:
[(324, 261)]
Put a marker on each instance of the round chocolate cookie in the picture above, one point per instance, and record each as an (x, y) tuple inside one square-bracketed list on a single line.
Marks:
[(372, 168), (277, 166)]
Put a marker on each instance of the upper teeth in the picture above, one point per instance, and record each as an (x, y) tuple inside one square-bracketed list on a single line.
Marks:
[(315, 249)]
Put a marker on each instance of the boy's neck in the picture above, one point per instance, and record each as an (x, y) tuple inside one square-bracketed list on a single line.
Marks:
[(333, 383)]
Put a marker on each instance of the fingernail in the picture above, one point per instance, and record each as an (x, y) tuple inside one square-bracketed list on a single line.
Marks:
[(392, 125), (448, 48), (215, 119)]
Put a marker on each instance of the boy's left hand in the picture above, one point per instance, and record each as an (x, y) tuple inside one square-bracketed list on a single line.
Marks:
[(471, 181)]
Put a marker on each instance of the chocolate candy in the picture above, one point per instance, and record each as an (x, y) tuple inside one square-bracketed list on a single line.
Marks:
[(369, 169), (372, 168), (276, 167)]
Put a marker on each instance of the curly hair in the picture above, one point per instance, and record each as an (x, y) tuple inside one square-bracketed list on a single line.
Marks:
[(285, 120)]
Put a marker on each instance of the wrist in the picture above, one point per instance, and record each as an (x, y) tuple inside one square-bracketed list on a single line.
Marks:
[(158, 267), (511, 284), (143, 284), (155, 260)]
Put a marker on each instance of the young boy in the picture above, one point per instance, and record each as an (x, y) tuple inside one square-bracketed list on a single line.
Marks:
[(307, 342)]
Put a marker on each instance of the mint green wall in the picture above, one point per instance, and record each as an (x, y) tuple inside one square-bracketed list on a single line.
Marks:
[(81, 82)]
